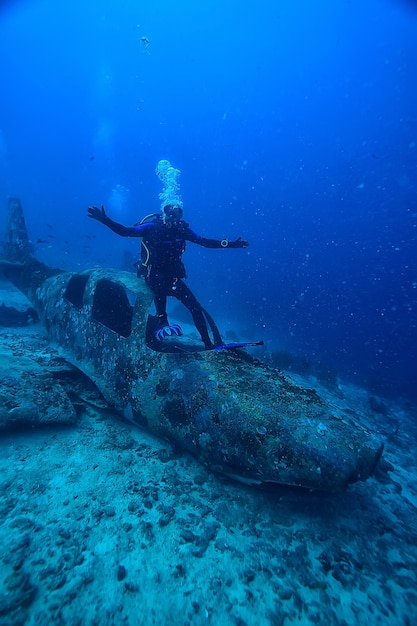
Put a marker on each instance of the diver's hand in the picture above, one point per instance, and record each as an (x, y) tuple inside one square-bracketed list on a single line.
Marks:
[(97, 214), (239, 243)]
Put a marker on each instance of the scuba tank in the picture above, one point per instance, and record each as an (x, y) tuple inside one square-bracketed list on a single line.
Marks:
[(142, 263)]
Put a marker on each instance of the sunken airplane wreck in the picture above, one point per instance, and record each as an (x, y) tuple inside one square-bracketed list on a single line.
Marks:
[(235, 414)]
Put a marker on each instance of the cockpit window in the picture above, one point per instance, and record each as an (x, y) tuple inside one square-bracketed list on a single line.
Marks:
[(113, 307), (74, 292)]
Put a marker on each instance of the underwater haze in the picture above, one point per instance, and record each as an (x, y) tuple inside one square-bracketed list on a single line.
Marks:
[(294, 125)]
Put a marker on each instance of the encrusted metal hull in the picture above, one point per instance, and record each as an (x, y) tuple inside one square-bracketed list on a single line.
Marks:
[(235, 414)]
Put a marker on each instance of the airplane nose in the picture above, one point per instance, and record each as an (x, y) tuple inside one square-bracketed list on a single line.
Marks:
[(367, 463)]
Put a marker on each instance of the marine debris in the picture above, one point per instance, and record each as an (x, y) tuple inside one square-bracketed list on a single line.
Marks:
[(11, 316)]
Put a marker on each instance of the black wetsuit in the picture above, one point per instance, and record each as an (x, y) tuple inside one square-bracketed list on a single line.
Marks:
[(163, 269)]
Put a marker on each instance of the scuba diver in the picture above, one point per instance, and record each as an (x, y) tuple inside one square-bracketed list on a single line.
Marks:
[(163, 244)]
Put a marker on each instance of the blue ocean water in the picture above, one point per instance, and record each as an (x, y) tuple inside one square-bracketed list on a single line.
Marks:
[(294, 125)]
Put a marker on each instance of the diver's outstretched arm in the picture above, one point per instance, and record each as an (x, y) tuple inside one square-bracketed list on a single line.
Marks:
[(101, 216), (215, 243)]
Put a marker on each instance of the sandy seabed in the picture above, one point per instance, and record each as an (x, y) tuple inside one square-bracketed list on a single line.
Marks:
[(101, 524)]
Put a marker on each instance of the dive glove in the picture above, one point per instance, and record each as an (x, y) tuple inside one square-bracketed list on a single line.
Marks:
[(97, 214), (239, 243)]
